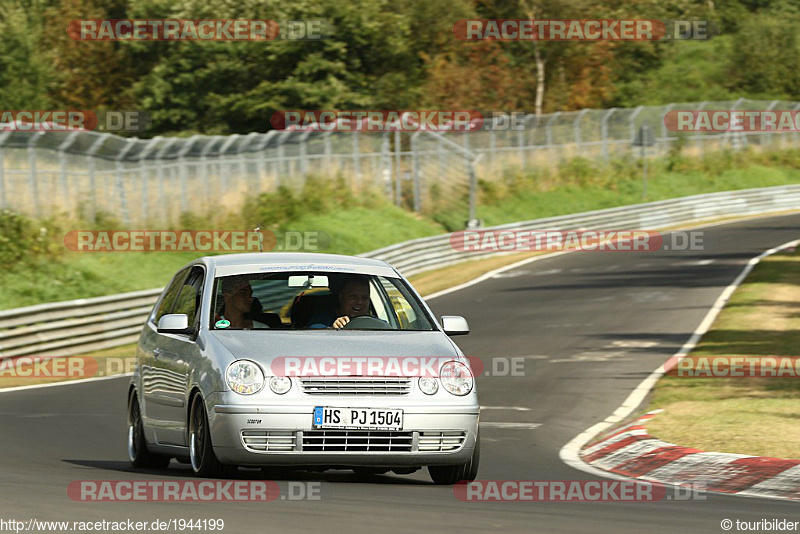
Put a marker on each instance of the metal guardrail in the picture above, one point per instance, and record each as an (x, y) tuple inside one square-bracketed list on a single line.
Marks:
[(75, 326), (84, 325)]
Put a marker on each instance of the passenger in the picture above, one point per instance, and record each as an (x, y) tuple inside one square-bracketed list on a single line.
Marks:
[(238, 302)]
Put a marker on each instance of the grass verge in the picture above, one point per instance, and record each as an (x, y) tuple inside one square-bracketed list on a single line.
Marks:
[(743, 415), (35, 267)]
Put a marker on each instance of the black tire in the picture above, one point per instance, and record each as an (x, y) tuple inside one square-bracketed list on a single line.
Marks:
[(447, 475), (471, 469), (138, 453), (201, 452)]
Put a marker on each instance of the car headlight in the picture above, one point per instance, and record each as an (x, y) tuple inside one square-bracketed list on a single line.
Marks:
[(428, 385), (456, 378), (245, 377), (280, 384)]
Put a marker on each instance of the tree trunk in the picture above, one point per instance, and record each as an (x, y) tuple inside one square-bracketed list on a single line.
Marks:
[(540, 65)]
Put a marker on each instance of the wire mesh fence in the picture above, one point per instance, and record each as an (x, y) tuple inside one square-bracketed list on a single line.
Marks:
[(153, 181)]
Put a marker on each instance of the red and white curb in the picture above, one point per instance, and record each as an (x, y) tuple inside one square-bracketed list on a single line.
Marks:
[(632, 452)]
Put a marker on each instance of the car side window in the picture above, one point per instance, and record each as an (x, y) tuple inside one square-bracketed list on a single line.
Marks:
[(169, 296), (190, 296), (403, 310)]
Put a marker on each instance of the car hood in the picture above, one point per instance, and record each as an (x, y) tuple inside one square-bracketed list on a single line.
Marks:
[(265, 345)]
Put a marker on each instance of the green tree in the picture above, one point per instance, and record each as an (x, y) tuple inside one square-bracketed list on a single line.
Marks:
[(26, 73)]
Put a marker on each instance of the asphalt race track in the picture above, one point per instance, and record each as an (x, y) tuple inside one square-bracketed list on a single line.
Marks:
[(590, 325)]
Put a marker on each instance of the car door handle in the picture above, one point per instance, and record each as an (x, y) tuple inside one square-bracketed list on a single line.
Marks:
[(156, 353)]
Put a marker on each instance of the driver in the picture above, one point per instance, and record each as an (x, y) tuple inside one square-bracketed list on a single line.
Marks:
[(353, 302)]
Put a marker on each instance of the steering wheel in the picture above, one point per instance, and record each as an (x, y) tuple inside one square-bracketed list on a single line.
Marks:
[(366, 322)]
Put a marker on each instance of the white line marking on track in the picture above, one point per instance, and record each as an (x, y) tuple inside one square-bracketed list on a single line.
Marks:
[(692, 263), (64, 383), (515, 408)]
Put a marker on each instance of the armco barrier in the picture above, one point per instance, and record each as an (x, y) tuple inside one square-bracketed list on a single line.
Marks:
[(83, 325)]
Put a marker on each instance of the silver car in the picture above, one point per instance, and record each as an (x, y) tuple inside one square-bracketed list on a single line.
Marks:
[(305, 361)]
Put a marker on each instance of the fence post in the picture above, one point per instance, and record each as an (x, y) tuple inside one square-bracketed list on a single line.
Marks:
[(577, 127), (632, 122), (152, 144), (604, 126), (549, 130), (121, 183), (62, 164), (162, 195), (664, 133), (90, 154)]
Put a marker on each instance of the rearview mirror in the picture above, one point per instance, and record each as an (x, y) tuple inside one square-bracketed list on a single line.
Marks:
[(308, 281), (175, 323), (454, 325)]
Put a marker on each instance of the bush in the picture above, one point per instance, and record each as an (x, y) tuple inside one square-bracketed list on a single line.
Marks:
[(23, 240), (578, 170)]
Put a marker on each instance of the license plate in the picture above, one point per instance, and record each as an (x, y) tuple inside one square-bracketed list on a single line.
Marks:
[(358, 418)]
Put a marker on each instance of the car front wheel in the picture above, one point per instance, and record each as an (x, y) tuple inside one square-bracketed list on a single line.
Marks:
[(201, 452), (447, 475)]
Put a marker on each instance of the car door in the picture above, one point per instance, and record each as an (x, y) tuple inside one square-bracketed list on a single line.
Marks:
[(173, 354), (154, 387)]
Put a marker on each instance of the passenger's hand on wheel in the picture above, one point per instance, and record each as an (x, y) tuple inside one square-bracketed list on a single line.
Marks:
[(341, 321)]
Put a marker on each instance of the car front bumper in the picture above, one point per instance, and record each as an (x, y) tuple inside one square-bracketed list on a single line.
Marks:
[(255, 435)]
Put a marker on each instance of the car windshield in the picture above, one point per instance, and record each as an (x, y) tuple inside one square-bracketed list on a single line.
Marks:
[(314, 300)]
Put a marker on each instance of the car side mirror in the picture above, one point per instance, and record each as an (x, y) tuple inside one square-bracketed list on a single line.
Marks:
[(454, 325), (175, 323)]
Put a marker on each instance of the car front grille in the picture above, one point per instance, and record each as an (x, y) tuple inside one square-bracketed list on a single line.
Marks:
[(269, 440), (309, 441), (355, 385), (441, 441), (357, 440)]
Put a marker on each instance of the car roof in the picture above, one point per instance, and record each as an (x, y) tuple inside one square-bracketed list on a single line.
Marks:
[(288, 258)]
